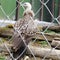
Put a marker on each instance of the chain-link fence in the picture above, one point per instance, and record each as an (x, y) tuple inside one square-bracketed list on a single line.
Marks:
[(48, 51)]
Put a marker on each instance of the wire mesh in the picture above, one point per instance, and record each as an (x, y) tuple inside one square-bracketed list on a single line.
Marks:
[(43, 33)]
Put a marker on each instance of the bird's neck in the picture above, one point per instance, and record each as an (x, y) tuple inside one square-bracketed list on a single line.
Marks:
[(28, 8), (28, 11)]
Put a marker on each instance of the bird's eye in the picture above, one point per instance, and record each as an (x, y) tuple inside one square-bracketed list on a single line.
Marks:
[(24, 4)]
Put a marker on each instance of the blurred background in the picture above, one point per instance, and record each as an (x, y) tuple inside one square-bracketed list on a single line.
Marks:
[(9, 7)]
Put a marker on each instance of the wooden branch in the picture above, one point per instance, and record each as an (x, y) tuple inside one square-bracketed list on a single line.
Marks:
[(56, 43), (37, 51), (49, 36), (6, 32), (54, 28), (57, 39), (41, 52)]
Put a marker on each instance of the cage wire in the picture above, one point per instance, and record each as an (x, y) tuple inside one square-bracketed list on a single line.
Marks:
[(43, 33)]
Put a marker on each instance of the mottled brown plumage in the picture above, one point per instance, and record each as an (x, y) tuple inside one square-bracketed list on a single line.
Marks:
[(26, 27)]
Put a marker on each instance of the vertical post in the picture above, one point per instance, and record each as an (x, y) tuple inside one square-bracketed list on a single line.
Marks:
[(31, 1), (42, 11), (59, 10), (56, 8), (17, 10), (53, 5)]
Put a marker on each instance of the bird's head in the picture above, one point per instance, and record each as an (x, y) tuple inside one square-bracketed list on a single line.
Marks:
[(28, 9), (27, 5)]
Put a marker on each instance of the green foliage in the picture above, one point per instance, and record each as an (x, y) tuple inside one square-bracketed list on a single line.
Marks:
[(9, 6), (41, 43), (49, 31), (2, 58)]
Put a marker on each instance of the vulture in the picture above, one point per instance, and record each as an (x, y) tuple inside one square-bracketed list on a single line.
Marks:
[(26, 27)]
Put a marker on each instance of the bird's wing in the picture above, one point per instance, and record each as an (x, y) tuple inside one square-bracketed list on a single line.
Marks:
[(20, 26), (27, 28)]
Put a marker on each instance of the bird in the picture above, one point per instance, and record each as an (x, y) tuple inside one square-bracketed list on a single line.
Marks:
[(26, 27)]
